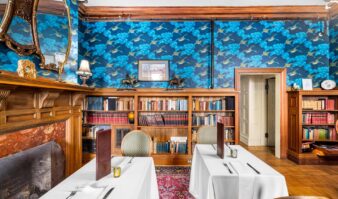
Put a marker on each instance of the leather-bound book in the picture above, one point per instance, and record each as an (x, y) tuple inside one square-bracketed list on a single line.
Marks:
[(220, 140), (103, 153)]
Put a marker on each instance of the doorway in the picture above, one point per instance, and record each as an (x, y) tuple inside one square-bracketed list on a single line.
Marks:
[(262, 111), (257, 110)]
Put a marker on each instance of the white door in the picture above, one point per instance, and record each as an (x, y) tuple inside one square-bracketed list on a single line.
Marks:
[(244, 110), (271, 111)]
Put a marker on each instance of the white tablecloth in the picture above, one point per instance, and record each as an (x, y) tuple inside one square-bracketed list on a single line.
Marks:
[(137, 181), (210, 179)]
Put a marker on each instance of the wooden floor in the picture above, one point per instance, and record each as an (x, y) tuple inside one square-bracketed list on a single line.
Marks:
[(302, 179)]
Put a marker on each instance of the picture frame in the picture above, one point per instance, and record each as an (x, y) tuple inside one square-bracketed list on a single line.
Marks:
[(153, 70), (307, 84)]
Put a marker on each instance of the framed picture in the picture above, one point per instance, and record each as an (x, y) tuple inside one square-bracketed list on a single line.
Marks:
[(307, 84), (153, 70)]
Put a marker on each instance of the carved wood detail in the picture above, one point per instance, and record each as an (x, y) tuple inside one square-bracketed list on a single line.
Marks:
[(24, 9), (47, 98), (3, 98), (77, 99)]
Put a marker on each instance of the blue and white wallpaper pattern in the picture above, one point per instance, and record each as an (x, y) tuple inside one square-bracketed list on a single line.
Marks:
[(334, 48), (9, 59), (114, 48)]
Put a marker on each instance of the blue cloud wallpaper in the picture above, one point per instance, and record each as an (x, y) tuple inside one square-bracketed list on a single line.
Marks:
[(295, 45), (114, 48), (46, 27), (334, 48)]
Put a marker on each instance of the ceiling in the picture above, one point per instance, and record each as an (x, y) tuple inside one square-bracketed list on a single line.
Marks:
[(164, 3)]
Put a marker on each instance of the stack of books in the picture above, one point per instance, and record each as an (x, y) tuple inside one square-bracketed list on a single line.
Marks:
[(321, 103), (163, 104), (213, 103), (176, 145), (120, 133), (204, 119), (163, 119), (118, 104), (318, 118), (315, 134), (229, 134), (106, 118)]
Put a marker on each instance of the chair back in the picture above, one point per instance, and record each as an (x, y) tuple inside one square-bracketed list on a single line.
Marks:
[(136, 144), (207, 135)]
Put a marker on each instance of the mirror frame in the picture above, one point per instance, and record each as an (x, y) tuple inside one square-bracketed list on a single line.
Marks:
[(27, 10)]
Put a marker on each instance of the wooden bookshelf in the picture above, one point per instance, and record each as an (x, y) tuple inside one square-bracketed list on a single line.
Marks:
[(313, 123), (165, 131)]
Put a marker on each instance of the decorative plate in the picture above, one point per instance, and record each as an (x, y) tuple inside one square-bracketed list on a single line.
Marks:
[(328, 84)]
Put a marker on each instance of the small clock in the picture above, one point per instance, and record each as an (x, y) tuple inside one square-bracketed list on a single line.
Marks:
[(328, 84)]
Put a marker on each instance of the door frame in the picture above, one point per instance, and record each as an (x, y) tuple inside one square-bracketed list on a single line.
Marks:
[(282, 72)]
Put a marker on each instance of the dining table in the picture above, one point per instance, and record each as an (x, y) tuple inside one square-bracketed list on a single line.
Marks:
[(137, 181), (241, 177)]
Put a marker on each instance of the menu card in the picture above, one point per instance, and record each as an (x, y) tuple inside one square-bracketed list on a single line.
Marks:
[(220, 140), (103, 153)]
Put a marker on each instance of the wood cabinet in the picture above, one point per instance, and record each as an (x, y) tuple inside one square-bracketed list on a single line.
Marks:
[(312, 126), (179, 109)]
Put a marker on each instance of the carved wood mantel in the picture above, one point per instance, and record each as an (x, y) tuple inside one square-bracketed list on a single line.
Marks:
[(28, 103)]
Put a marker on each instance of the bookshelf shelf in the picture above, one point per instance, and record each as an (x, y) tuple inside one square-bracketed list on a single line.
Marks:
[(164, 117), (313, 118), (102, 111), (164, 127)]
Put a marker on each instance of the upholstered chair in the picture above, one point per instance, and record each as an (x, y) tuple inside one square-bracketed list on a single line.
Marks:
[(136, 144), (207, 135)]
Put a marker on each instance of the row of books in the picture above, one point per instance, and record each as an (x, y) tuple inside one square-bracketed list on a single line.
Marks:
[(200, 119), (318, 103), (319, 134), (163, 104), (106, 118), (318, 118), (90, 132), (110, 103), (163, 119), (212, 104), (118, 104), (176, 145)]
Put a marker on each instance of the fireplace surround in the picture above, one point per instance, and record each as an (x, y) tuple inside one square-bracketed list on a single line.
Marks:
[(31, 173)]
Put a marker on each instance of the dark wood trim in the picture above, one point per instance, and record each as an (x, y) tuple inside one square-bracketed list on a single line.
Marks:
[(99, 13), (283, 99), (9, 78)]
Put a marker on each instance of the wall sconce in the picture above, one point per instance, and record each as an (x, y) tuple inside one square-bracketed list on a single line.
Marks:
[(84, 72)]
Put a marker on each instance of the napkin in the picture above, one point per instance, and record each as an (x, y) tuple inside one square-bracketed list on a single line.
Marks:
[(246, 179), (88, 192)]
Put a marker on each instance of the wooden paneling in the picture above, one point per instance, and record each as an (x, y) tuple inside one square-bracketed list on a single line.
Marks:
[(32, 103), (216, 12)]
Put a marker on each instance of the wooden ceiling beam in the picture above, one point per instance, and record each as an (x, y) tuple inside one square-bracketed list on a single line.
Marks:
[(97, 13)]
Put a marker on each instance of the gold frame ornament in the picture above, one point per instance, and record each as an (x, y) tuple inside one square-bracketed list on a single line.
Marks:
[(26, 69)]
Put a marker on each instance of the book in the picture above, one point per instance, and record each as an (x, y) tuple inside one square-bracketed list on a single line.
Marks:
[(94, 103), (163, 119), (163, 104), (210, 119), (106, 118), (175, 145), (318, 118)]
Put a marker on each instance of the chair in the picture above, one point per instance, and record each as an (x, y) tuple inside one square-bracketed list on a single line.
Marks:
[(136, 144), (303, 197), (207, 135)]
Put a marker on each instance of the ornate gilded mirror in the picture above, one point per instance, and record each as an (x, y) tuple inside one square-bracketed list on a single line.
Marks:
[(42, 28)]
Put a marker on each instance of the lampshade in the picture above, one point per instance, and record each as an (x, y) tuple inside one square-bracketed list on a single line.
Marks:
[(84, 68)]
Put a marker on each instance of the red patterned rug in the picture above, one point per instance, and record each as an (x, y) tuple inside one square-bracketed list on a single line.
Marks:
[(173, 182)]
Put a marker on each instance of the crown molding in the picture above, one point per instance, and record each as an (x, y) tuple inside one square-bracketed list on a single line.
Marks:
[(100, 13)]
